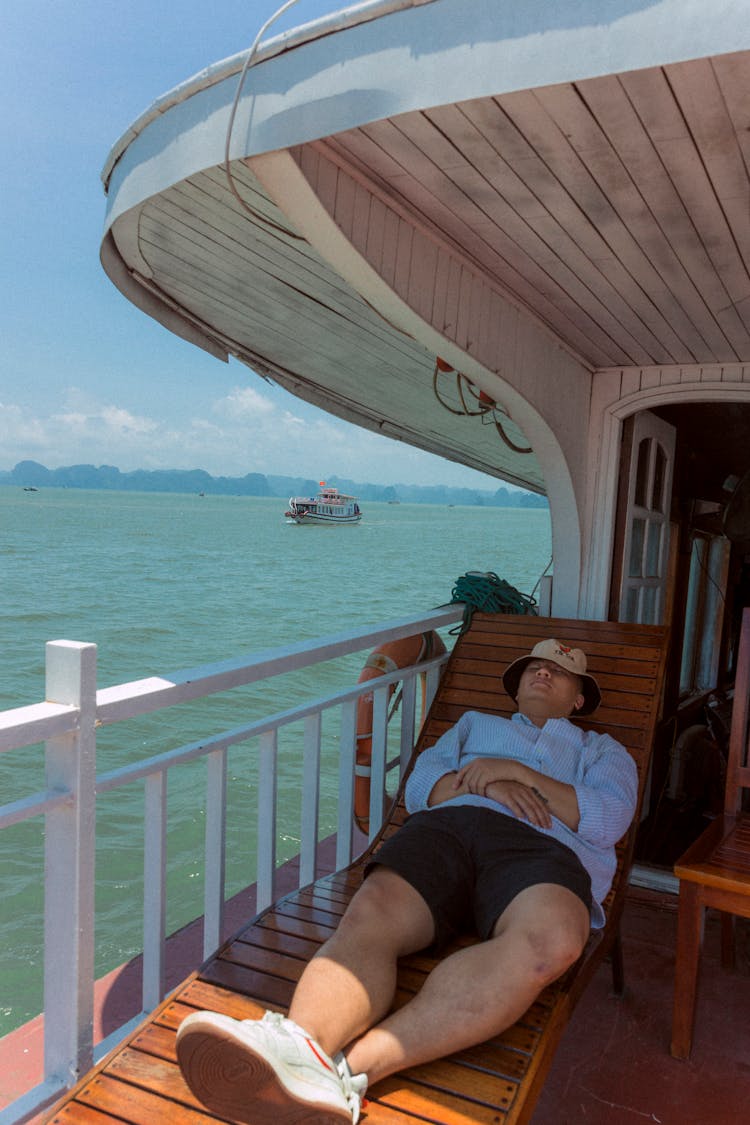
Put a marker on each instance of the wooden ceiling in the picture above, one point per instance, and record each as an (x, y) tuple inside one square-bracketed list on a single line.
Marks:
[(617, 209)]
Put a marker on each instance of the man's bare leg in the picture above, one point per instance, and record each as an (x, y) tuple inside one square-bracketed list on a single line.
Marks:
[(349, 985)]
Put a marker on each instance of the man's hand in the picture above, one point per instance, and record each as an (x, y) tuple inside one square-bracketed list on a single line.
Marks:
[(523, 790), (522, 800), (526, 792), (478, 774)]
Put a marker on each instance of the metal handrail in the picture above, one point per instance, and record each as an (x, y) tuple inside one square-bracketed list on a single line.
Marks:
[(68, 721)]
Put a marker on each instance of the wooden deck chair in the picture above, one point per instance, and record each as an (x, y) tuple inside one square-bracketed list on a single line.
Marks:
[(715, 870), (495, 1083)]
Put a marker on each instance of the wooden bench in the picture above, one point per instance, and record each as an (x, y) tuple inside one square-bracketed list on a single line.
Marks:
[(495, 1083)]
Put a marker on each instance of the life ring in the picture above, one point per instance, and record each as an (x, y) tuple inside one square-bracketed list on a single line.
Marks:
[(388, 657)]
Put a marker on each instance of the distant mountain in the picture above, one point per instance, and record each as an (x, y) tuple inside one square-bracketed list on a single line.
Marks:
[(30, 474)]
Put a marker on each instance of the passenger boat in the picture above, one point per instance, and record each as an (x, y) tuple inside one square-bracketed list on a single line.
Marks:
[(327, 506), (515, 236)]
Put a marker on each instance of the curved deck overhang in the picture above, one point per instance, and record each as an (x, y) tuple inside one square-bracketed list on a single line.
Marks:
[(396, 56), (540, 195)]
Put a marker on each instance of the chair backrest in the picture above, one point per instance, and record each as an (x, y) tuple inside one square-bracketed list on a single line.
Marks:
[(738, 761)]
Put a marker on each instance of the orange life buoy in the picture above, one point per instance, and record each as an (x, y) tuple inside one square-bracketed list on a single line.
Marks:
[(388, 657)]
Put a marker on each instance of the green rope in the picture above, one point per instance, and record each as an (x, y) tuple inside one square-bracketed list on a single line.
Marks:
[(488, 594)]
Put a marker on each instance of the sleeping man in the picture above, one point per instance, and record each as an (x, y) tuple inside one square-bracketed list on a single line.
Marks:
[(511, 837)]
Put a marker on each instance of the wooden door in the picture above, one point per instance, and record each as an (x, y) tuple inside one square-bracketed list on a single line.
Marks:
[(647, 489)]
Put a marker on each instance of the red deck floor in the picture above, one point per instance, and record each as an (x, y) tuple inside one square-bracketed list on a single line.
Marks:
[(613, 1066)]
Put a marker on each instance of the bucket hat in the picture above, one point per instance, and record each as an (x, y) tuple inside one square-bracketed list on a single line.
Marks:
[(571, 659)]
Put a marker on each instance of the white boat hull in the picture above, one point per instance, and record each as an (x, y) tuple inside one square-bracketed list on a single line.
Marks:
[(318, 519)]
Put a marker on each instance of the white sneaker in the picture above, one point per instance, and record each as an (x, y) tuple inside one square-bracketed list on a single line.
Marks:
[(266, 1072)]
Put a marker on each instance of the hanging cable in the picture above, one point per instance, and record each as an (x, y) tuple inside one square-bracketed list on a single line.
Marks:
[(511, 444), (258, 215), (541, 576), (487, 409)]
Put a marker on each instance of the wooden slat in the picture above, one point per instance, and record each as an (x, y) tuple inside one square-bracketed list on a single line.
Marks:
[(142, 1089), (617, 254), (549, 221), (75, 1113), (681, 215)]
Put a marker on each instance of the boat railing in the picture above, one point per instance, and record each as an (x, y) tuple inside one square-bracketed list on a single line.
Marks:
[(68, 721)]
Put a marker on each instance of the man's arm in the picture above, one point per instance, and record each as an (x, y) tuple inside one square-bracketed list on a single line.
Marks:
[(525, 791), (433, 764)]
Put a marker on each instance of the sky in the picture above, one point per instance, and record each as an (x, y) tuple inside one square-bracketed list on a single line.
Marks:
[(85, 377)]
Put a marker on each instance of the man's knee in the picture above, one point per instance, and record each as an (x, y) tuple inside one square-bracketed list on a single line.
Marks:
[(550, 927), (388, 909), (552, 951)]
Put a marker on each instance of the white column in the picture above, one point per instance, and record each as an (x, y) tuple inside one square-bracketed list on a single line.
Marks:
[(70, 846)]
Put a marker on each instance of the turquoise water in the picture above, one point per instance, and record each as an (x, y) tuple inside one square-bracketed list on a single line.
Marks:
[(162, 582)]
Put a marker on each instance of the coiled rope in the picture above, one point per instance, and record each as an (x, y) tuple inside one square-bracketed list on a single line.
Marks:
[(484, 591)]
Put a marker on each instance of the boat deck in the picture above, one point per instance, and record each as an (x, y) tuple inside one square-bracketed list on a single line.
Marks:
[(613, 1064)]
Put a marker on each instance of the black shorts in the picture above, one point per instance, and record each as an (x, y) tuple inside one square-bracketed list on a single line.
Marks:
[(469, 863)]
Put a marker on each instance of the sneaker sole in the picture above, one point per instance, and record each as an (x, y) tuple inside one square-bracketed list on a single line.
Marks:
[(229, 1077)]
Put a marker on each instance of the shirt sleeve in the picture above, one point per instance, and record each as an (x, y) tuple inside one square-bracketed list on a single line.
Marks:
[(607, 795), (433, 763)]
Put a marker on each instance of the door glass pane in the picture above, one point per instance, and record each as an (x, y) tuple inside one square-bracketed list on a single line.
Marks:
[(641, 475), (635, 568), (653, 543), (631, 604), (660, 470), (649, 602)]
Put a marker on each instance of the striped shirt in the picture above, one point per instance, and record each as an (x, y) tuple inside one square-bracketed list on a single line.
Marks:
[(600, 770)]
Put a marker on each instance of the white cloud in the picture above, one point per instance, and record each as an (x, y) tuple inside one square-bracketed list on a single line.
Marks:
[(244, 403), (245, 431)]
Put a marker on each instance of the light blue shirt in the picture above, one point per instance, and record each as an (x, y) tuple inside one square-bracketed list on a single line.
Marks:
[(600, 770)]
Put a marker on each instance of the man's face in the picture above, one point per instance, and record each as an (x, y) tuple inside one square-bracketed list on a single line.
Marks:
[(547, 689)]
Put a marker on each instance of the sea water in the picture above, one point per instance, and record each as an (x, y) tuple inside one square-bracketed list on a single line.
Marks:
[(166, 582)]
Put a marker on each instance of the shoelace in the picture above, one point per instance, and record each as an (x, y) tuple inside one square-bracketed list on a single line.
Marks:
[(340, 1065)]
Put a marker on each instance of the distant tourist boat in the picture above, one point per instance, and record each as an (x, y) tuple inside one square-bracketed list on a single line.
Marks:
[(329, 506)]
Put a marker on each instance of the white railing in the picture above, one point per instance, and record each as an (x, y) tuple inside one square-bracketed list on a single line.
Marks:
[(67, 722)]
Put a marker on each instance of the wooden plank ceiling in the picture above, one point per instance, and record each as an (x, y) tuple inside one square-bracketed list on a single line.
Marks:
[(617, 208)]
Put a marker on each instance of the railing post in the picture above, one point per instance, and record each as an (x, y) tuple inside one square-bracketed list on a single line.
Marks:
[(408, 712), (347, 753), (380, 697), (215, 851), (267, 786), (310, 800), (70, 847), (154, 888)]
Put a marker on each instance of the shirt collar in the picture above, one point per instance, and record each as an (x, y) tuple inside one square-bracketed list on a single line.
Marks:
[(519, 717)]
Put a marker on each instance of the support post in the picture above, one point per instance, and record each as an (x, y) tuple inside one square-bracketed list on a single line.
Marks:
[(70, 847)]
